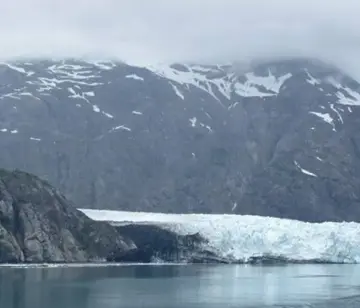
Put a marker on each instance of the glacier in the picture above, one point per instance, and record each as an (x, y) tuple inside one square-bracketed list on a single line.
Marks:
[(244, 237)]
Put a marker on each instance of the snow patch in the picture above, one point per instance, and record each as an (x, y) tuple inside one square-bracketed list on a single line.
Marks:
[(177, 92), (5, 130), (247, 90), (72, 91), (224, 87), (346, 96), (82, 95), (307, 172), (241, 237), (104, 65), (29, 94), (269, 82), (234, 207), (121, 127), (68, 71), (17, 93), (233, 105), (325, 117), (206, 126), (48, 84), (226, 84), (18, 69), (137, 112), (35, 139), (337, 112), (193, 121), (107, 114), (313, 81), (135, 77)]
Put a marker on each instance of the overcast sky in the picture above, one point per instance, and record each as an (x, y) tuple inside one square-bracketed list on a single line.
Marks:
[(146, 31)]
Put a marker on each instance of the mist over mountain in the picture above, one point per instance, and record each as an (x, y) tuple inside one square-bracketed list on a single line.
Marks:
[(140, 32)]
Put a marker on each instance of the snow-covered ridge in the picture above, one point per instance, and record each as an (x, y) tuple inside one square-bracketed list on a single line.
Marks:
[(218, 80), (242, 237), (345, 95), (84, 82)]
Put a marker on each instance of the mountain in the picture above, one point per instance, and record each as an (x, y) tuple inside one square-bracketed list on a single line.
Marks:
[(37, 224), (276, 138)]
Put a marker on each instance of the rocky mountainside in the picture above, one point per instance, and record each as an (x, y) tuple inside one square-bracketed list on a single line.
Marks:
[(37, 224), (278, 139)]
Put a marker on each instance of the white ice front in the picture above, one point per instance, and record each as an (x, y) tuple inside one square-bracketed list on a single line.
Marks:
[(242, 237)]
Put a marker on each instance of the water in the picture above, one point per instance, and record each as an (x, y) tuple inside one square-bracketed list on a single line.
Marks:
[(185, 286)]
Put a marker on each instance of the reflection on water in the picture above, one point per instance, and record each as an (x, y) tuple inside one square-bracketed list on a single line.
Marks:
[(175, 286)]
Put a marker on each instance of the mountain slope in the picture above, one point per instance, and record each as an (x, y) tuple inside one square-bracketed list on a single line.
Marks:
[(37, 224), (276, 139)]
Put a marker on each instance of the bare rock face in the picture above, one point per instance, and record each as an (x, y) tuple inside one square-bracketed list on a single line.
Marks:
[(155, 243), (37, 224), (275, 139)]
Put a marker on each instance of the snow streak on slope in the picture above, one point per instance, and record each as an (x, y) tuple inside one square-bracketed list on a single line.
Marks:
[(270, 82), (307, 172), (242, 237), (217, 80), (135, 77), (345, 95), (313, 81), (325, 117), (79, 78)]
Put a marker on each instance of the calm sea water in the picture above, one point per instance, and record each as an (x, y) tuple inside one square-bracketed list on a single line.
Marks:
[(184, 286)]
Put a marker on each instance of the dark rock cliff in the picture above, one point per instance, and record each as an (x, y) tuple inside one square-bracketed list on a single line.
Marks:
[(37, 224), (156, 244)]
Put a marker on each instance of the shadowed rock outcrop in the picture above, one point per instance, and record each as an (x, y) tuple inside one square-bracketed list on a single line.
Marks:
[(37, 224), (154, 244)]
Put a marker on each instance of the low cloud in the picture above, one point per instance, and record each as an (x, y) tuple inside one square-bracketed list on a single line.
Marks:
[(216, 31)]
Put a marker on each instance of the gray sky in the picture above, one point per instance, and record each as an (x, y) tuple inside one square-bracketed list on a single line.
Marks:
[(147, 31)]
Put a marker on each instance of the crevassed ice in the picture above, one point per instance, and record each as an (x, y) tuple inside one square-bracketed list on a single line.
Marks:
[(242, 237)]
